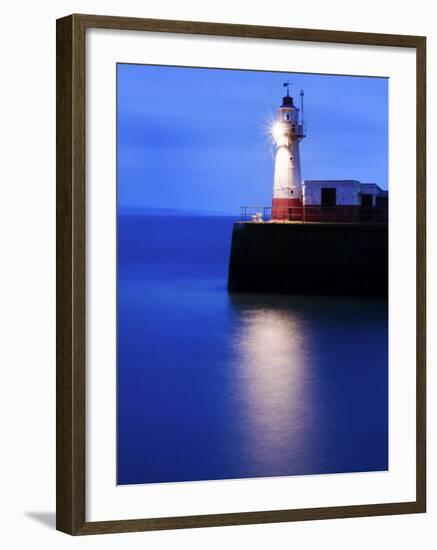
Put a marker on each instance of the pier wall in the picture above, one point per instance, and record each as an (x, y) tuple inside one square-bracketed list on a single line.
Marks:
[(310, 258)]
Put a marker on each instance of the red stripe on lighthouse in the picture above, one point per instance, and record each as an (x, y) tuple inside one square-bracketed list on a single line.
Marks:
[(287, 209)]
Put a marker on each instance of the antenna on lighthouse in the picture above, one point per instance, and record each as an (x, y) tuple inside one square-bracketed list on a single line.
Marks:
[(301, 107)]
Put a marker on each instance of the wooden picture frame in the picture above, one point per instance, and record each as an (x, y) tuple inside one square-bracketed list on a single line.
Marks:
[(71, 283)]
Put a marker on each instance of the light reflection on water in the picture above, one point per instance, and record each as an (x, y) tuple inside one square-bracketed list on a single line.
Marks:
[(271, 369)]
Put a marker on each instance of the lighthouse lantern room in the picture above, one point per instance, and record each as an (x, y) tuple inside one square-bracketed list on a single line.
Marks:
[(287, 132)]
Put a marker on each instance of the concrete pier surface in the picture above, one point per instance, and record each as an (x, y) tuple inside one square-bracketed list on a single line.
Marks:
[(309, 258)]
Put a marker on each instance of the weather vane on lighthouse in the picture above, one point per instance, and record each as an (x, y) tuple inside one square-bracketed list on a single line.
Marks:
[(287, 132), (288, 84)]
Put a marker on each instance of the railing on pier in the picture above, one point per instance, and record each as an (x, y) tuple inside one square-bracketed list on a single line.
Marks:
[(314, 214)]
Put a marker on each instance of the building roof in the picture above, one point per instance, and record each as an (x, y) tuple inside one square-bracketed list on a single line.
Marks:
[(369, 186), (331, 182)]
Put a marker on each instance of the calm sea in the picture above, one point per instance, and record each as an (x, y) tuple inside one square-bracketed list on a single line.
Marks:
[(216, 386)]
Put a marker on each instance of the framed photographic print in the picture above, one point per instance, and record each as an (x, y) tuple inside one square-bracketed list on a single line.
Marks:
[(240, 274)]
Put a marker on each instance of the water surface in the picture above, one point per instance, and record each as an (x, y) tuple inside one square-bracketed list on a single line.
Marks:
[(217, 386)]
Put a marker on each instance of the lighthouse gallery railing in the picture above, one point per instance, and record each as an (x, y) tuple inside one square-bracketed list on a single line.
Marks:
[(315, 214)]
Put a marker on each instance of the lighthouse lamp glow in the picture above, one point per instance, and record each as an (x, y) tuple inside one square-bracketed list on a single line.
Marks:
[(277, 131)]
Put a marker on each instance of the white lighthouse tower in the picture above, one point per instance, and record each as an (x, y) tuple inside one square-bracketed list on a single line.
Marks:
[(287, 133)]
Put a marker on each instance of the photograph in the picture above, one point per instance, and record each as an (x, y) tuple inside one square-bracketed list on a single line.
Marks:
[(252, 274), (217, 277)]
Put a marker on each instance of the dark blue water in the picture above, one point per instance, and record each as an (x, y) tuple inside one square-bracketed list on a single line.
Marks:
[(216, 386)]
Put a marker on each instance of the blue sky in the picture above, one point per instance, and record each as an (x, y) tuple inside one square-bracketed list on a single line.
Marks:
[(198, 139)]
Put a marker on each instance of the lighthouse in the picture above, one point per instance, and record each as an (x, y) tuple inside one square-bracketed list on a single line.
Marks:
[(287, 132)]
